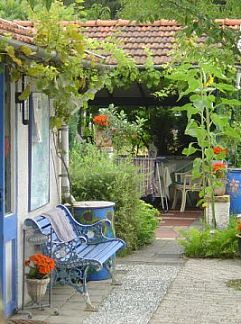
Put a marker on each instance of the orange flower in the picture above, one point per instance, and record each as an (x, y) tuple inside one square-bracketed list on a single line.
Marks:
[(40, 266), (219, 150), (219, 168), (239, 227), (100, 120)]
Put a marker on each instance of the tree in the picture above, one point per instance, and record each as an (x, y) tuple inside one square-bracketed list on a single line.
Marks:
[(181, 10), (102, 9), (47, 3), (13, 9)]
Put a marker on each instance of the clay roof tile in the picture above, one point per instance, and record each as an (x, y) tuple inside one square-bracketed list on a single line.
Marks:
[(133, 36)]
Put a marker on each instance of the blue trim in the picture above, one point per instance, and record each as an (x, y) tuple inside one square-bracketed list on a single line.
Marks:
[(8, 224), (2, 90), (30, 129)]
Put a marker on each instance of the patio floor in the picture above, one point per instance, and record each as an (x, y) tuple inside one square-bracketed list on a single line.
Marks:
[(172, 221), (137, 300)]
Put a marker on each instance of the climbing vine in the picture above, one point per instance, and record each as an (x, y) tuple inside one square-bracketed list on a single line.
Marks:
[(62, 68)]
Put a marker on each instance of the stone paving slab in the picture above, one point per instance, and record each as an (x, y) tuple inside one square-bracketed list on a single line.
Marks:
[(199, 294)]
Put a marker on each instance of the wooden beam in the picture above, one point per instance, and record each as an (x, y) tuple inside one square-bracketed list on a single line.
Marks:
[(134, 101)]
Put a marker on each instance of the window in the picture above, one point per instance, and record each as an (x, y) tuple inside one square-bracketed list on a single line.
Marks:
[(39, 151)]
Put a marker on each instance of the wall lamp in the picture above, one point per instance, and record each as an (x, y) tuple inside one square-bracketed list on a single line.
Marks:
[(24, 107)]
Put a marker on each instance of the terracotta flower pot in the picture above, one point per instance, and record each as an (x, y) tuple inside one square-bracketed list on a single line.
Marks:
[(37, 289), (102, 139), (220, 191)]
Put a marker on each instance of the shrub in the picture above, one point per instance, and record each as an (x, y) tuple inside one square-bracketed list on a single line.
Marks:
[(94, 176), (221, 243)]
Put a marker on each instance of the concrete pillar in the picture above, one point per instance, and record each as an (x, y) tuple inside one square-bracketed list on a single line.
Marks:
[(221, 205)]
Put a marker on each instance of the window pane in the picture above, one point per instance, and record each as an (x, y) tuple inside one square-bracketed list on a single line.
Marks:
[(39, 141)]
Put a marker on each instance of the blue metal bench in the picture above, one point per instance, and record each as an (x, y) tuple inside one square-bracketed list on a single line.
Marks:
[(89, 251)]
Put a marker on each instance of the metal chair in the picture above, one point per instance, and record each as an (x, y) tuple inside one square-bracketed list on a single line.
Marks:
[(185, 184)]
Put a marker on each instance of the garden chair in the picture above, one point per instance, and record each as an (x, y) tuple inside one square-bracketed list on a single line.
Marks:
[(185, 184)]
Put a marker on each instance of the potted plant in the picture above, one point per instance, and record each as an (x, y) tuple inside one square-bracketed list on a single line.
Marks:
[(220, 170), (102, 134), (38, 277)]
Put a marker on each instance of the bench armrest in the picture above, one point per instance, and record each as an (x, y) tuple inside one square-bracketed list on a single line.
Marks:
[(93, 232)]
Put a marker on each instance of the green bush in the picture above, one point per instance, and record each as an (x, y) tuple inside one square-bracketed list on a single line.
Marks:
[(221, 243), (94, 176)]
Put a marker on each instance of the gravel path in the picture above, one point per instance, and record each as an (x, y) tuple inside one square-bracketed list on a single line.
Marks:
[(139, 296)]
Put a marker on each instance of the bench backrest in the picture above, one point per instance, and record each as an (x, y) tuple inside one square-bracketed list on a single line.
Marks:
[(53, 244), (44, 226)]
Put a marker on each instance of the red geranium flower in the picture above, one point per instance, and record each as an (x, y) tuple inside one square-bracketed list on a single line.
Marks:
[(39, 265), (239, 227), (219, 168), (100, 120), (219, 150)]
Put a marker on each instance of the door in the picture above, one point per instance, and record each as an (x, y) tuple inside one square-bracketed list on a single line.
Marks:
[(8, 219)]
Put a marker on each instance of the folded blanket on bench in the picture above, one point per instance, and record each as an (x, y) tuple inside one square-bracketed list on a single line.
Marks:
[(60, 224)]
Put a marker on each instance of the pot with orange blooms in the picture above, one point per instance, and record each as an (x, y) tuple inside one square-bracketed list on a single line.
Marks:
[(38, 277), (219, 169), (102, 131)]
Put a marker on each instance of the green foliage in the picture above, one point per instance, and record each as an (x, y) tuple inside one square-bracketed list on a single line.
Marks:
[(95, 176), (147, 222), (234, 145), (98, 11), (63, 73), (101, 9), (206, 243), (181, 10), (207, 123), (46, 3), (13, 9)]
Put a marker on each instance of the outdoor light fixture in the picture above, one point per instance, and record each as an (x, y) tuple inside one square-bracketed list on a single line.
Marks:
[(23, 105), (23, 108)]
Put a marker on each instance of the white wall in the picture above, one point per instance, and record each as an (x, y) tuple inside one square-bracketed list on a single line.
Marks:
[(22, 192)]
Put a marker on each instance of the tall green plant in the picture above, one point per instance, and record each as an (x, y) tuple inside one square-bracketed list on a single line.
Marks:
[(206, 124)]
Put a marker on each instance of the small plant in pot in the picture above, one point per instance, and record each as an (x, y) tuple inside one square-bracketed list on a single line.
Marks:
[(38, 277), (219, 169)]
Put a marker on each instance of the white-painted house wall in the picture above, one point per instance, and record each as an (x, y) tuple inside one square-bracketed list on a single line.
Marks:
[(22, 192)]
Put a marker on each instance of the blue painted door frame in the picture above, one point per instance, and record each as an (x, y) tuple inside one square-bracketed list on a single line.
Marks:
[(8, 222)]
